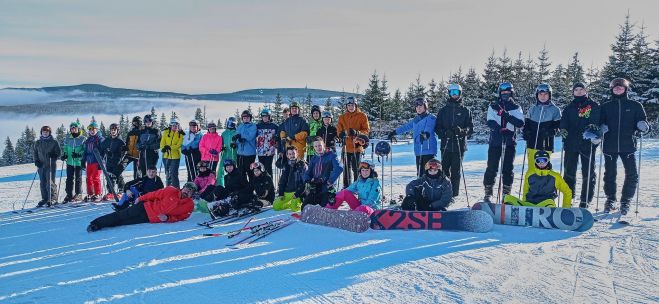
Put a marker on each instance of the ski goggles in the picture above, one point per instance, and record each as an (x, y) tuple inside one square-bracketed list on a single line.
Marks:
[(541, 160), (90, 128), (193, 124), (454, 92)]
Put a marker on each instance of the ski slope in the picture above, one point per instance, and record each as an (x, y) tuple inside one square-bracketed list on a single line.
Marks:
[(48, 257)]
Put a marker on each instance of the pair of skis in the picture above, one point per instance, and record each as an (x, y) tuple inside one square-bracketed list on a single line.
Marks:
[(263, 230), (233, 217)]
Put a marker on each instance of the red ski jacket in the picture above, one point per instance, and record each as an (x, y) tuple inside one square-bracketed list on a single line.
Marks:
[(167, 201)]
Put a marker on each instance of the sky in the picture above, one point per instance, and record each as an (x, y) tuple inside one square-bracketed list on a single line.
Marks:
[(224, 45)]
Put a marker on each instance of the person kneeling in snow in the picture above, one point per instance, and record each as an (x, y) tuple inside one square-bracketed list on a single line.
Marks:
[(364, 194), (235, 195), (541, 185), (431, 192), (141, 186), (166, 205)]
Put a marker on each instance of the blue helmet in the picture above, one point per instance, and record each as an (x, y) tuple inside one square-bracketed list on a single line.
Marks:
[(265, 112), (506, 86), (383, 148)]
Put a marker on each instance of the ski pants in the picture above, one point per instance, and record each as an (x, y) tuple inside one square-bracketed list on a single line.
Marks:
[(244, 161), (451, 167), (267, 163), (351, 168), (318, 196), (511, 200), (346, 196), (418, 203), (421, 161), (135, 214), (171, 171), (611, 171), (118, 180), (148, 158), (191, 161), (287, 202), (125, 199), (493, 157), (93, 179), (47, 182), (73, 178), (136, 170), (571, 160)]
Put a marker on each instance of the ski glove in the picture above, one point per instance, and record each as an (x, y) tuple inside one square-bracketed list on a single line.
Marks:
[(643, 126), (166, 149), (425, 135), (76, 155), (214, 152), (353, 132), (236, 137), (604, 129), (63, 157), (457, 131), (593, 137), (53, 154)]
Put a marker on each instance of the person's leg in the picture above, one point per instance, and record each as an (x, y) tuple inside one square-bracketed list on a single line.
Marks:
[(142, 165), (96, 179), (592, 183), (89, 180), (492, 169), (175, 163), (610, 173), (366, 209), (454, 171), (408, 203), (570, 176), (43, 182), (508, 165), (283, 202), (135, 214), (511, 200), (357, 158), (340, 198), (78, 180), (631, 176), (70, 176)]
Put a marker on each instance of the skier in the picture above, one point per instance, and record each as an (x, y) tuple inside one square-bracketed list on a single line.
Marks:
[(93, 170), (143, 185), (621, 118), (205, 181), (541, 124), (291, 184), (503, 118), (170, 146), (148, 145), (245, 137), (210, 146), (454, 125), (430, 192), (132, 139), (351, 123), (364, 194), (229, 148), (422, 127), (73, 151), (262, 183), (46, 152), (236, 194), (328, 131), (315, 123), (190, 148), (541, 185), (266, 140), (321, 175), (580, 118), (167, 205), (113, 149), (294, 130)]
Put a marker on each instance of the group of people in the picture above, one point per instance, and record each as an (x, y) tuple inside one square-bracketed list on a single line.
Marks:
[(233, 171)]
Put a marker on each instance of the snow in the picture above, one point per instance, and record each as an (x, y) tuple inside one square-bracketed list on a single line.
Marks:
[(49, 257)]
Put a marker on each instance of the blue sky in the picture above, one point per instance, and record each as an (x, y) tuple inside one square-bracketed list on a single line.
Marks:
[(218, 46)]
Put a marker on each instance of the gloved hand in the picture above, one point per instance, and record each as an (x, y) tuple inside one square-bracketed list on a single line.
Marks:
[(186, 152), (342, 135), (242, 140), (643, 126), (236, 137), (63, 157), (166, 149), (391, 135), (52, 154), (76, 155), (604, 129), (38, 163), (563, 133), (213, 152), (424, 135), (223, 148), (505, 115), (450, 133), (233, 145), (316, 181), (353, 132)]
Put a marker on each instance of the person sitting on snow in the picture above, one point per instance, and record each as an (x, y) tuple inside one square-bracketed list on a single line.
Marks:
[(291, 183), (205, 181), (321, 175), (262, 183), (541, 186), (141, 186), (431, 192), (166, 205), (364, 194), (235, 195)]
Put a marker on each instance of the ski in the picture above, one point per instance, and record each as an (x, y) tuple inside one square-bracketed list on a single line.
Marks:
[(109, 180), (271, 231), (231, 218), (234, 233), (261, 231)]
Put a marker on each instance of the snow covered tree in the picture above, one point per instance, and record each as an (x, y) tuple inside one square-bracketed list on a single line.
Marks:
[(277, 109), (8, 154), (505, 67), (102, 130), (373, 98), (153, 113), (642, 60), (560, 86), (25, 146), (415, 90), (199, 116), (544, 65), (491, 79), (60, 134), (163, 122)]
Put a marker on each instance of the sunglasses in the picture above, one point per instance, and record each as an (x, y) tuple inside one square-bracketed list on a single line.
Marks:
[(454, 92)]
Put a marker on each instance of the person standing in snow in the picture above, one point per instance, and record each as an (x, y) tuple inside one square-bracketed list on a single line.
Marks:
[(72, 153), (170, 146), (246, 139), (113, 149), (148, 145), (351, 124), (541, 124), (328, 132), (190, 148), (422, 127), (211, 146), (294, 130), (132, 140), (46, 152), (93, 170), (229, 148), (315, 123), (266, 140)]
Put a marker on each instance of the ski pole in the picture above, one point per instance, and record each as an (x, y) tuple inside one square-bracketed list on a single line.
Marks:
[(561, 173), (599, 176), (503, 157), (638, 183), (29, 190), (391, 172), (50, 168), (463, 171)]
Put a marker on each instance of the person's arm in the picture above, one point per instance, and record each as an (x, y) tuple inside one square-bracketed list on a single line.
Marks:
[(163, 140), (364, 126), (447, 194), (516, 117), (562, 186), (410, 189), (493, 120), (469, 128), (406, 127), (153, 195), (526, 185), (159, 184), (308, 172), (337, 169)]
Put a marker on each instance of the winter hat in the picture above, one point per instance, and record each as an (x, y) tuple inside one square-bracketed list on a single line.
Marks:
[(578, 85), (229, 162), (315, 108)]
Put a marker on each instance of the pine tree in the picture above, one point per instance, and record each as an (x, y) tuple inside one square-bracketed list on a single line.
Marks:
[(543, 66), (642, 76), (8, 154), (60, 134), (308, 103), (398, 107), (25, 146), (102, 130), (199, 116), (491, 79), (163, 122), (505, 68), (560, 85), (277, 109), (372, 100), (415, 90), (153, 113), (328, 107), (173, 116)]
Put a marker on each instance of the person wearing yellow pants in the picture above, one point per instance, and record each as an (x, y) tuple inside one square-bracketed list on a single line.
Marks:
[(287, 201), (541, 185), (291, 184)]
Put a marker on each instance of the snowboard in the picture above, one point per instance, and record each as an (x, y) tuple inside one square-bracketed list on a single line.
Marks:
[(464, 220), (573, 219), (354, 221), (110, 182)]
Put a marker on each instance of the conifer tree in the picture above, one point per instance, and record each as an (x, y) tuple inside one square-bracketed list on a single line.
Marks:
[(8, 154)]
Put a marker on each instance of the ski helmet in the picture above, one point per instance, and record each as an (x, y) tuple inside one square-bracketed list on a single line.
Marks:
[(327, 114), (114, 126), (229, 162), (46, 128), (578, 85), (92, 125), (383, 148), (295, 104), (173, 121), (265, 112), (365, 164), (137, 120), (622, 82), (74, 124), (148, 118), (362, 140), (351, 100), (506, 86), (246, 113), (315, 108), (454, 89), (191, 186), (257, 165), (543, 87), (211, 125), (541, 156), (433, 164), (231, 123), (420, 101), (203, 164), (194, 123)]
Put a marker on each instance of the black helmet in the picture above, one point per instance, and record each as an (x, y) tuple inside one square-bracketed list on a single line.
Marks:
[(315, 108), (147, 118), (622, 82), (114, 126), (137, 120), (383, 148), (247, 113), (229, 162), (203, 164), (231, 123)]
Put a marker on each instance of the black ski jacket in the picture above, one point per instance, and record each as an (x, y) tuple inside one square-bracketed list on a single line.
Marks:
[(454, 120), (579, 114), (329, 135), (113, 151), (145, 184), (621, 116)]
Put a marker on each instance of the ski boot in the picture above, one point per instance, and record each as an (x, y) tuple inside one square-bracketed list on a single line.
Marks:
[(583, 205), (42, 203), (609, 205), (96, 198), (93, 227), (67, 199), (219, 209), (624, 206), (488, 194), (89, 198), (78, 198)]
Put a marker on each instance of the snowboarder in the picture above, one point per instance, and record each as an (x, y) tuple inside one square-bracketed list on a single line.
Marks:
[(72, 153), (170, 146), (148, 145), (321, 175), (328, 131), (266, 140), (430, 192), (245, 137), (541, 124), (132, 139), (210, 146), (454, 125), (422, 127), (294, 130), (291, 184), (113, 149), (229, 148), (143, 185), (190, 148), (580, 118), (541, 185), (167, 205), (92, 168), (621, 120), (205, 181), (352, 123), (315, 123), (46, 152), (364, 194), (504, 117), (262, 183)]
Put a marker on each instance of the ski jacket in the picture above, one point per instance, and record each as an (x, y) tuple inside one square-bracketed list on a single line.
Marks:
[(228, 152), (328, 133), (145, 184), (292, 178), (191, 141), (356, 120), (541, 125), (210, 141), (324, 169), (266, 139), (621, 115), (368, 191), (203, 180), (90, 143), (438, 191), (293, 132), (454, 118), (424, 123), (112, 150), (149, 140), (234, 183), (504, 135), (314, 126), (579, 114), (174, 140), (542, 184), (263, 187), (247, 141), (167, 201), (132, 139), (46, 150), (74, 145)]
